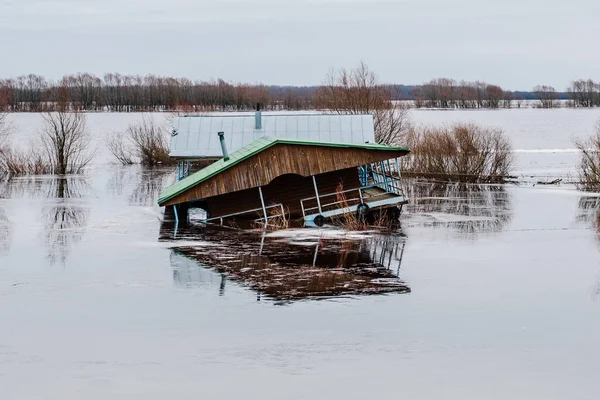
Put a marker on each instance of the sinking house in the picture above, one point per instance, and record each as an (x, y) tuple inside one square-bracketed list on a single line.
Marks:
[(297, 172)]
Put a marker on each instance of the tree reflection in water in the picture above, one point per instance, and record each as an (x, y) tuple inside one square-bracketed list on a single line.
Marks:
[(141, 185), (151, 182), (64, 222), (5, 232), (51, 186), (589, 212), (589, 215), (468, 208), (285, 272)]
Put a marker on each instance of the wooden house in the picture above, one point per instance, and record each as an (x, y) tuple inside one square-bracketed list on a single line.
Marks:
[(303, 179)]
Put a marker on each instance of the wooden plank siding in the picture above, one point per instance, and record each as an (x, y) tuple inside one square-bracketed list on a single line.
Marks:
[(287, 190), (282, 159)]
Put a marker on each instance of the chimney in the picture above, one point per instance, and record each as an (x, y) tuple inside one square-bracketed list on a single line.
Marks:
[(223, 146), (258, 117)]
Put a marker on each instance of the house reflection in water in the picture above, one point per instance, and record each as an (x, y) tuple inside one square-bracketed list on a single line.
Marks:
[(286, 272)]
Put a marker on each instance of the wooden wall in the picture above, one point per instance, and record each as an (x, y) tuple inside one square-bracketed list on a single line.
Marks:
[(279, 160), (287, 189)]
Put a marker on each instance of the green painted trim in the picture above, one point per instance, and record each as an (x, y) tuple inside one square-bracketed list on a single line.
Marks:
[(248, 151)]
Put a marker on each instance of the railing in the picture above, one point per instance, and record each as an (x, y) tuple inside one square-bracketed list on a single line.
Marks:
[(267, 217), (359, 198), (386, 182), (183, 169), (381, 174)]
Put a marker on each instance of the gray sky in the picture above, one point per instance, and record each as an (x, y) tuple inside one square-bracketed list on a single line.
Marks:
[(514, 43)]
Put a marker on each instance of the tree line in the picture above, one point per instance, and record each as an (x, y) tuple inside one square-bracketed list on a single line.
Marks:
[(134, 93), (448, 93), (584, 93)]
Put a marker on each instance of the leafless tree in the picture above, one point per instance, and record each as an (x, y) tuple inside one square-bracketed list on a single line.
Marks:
[(519, 99), (66, 141), (547, 96), (358, 92), (507, 98), (494, 96), (589, 163), (15, 161), (18, 162), (121, 149), (584, 93), (148, 141), (5, 130), (447, 93), (460, 152)]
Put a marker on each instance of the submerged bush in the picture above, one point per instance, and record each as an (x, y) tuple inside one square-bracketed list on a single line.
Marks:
[(459, 153), (589, 163), (15, 162), (62, 147), (145, 142), (5, 129), (119, 148)]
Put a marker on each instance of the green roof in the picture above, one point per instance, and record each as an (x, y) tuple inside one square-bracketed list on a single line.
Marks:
[(248, 151)]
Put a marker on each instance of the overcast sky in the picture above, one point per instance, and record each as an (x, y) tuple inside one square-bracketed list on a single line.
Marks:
[(514, 43)]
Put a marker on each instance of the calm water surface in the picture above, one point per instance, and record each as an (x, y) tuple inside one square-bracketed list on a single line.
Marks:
[(484, 292)]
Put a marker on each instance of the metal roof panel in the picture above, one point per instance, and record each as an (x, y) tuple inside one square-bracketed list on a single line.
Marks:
[(196, 136)]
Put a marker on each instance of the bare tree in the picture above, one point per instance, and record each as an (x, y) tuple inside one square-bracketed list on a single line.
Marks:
[(392, 124), (519, 99), (147, 141), (547, 96), (495, 95), (507, 98), (5, 129), (584, 93), (120, 148), (358, 92), (589, 163), (460, 152), (66, 142)]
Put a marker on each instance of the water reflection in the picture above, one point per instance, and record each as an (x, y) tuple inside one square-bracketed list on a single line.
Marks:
[(5, 232), (66, 220), (589, 215), (147, 183), (284, 270), (589, 212), (468, 208), (4, 189), (152, 181), (51, 186)]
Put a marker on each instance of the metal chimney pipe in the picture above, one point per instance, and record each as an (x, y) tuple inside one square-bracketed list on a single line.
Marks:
[(223, 146), (258, 117)]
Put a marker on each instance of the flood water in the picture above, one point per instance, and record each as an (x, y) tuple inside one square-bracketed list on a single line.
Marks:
[(488, 292)]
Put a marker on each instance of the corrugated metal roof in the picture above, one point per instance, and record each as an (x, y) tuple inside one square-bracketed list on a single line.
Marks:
[(197, 135), (248, 151)]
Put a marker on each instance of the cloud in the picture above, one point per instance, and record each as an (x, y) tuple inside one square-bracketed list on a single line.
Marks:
[(296, 42)]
